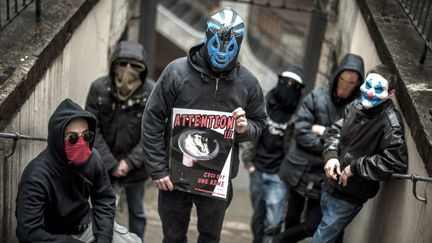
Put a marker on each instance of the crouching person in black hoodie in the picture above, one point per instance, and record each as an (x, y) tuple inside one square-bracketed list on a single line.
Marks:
[(53, 204)]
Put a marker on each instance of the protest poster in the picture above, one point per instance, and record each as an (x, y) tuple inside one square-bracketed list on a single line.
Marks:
[(201, 150)]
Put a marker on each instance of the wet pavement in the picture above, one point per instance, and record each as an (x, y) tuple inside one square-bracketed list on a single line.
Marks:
[(236, 227)]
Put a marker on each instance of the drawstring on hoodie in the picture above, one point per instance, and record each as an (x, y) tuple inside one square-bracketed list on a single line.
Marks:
[(81, 175), (217, 85), (208, 79)]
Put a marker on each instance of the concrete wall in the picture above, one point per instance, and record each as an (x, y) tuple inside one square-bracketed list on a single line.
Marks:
[(353, 35), (394, 215), (84, 58)]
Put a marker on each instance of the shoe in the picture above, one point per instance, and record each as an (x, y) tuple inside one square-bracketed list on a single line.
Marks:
[(268, 239)]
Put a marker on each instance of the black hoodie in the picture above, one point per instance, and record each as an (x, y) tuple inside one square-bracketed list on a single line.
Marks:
[(190, 83), (267, 152), (53, 195), (119, 129), (304, 163)]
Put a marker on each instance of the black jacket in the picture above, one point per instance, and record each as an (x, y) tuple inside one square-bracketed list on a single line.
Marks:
[(303, 164), (266, 152), (189, 83), (118, 132), (372, 142), (53, 195)]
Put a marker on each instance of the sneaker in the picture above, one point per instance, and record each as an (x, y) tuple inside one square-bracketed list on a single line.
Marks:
[(268, 239)]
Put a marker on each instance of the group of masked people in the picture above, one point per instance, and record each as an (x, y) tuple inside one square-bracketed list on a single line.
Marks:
[(326, 157), (123, 136)]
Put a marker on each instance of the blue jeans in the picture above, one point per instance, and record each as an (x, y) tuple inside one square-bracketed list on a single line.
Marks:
[(135, 201), (337, 214), (268, 202)]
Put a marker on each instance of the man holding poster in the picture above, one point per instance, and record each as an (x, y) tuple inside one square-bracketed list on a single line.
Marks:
[(200, 108)]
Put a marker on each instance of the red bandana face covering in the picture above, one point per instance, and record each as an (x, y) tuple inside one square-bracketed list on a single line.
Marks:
[(79, 152)]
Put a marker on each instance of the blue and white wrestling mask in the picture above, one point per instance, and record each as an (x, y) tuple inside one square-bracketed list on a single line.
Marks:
[(374, 90), (224, 34)]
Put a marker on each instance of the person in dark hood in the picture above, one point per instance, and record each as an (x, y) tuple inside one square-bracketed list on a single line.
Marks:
[(209, 78), (263, 156), (53, 204), (302, 168), (118, 102), (363, 148)]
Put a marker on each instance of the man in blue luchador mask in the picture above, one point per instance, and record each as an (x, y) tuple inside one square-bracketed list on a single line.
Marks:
[(210, 78), (224, 34)]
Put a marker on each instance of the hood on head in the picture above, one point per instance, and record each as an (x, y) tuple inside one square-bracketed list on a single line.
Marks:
[(294, 72), (350, 62), (62, 116), (129, 50)]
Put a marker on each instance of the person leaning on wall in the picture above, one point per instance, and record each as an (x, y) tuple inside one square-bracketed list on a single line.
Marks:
[(363, 148)]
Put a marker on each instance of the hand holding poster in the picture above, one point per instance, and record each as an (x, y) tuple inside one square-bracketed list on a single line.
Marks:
[(200, 151)]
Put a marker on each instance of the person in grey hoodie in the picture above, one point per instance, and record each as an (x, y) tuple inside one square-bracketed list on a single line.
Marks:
[(118, 100), (209, 78), (302, 168)]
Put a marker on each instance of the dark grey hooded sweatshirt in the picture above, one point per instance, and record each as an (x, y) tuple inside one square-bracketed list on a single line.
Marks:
[(119, 128), (303, 164), (53, 195)]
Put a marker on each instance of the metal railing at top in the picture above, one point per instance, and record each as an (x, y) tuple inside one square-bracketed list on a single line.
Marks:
[(418, 12), (9, 9), (274, 4)]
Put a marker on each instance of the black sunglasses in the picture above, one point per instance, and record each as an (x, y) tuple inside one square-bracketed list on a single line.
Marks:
[(88, 136), (290, 82)]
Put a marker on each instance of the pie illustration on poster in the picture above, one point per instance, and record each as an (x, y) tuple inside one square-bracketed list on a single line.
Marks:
[(200, 151)]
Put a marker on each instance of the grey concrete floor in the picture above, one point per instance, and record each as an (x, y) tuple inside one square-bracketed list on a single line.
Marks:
[(236, 227)]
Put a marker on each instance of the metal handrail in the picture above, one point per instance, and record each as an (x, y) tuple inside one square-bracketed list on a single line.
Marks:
[(16, 137), (414, 179)]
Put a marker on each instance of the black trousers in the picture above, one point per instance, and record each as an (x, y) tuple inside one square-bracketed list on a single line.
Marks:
[(294, 229), (175, 208)]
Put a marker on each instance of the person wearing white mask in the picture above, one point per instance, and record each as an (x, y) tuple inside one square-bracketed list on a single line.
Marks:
[(360, 150)]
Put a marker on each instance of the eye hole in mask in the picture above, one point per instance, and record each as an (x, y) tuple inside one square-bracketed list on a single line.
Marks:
[(290, 82), (137, 66), (127, 77)]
